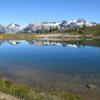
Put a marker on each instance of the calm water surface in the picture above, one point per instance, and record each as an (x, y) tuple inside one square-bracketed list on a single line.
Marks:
[(51, 63)]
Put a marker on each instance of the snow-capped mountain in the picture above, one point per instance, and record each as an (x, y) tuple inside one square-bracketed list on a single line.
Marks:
[(59, 25), (11, 28), (2, 29), (45, 26), (75, 24), (31, 28), (41, 26)]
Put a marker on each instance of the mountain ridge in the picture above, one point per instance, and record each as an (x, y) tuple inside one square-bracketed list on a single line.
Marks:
[(45, 26)]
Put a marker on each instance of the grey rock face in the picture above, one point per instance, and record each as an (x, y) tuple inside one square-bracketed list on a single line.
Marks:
[(45, 26)]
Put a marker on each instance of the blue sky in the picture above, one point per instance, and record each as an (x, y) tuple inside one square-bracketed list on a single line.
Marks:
[(28, 11)]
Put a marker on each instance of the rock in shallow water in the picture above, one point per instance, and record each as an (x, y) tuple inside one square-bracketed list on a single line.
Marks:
[(91, 86)]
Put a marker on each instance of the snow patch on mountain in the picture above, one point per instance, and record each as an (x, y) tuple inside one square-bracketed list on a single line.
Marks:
[(45, 26)]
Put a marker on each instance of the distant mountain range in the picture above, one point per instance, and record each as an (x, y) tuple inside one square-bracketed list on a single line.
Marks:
[(45, 26)]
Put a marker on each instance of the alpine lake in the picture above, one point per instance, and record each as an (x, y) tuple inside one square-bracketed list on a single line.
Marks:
[(53, 65)]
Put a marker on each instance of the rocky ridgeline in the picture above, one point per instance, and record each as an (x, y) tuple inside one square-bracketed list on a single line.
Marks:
[(45, 26)]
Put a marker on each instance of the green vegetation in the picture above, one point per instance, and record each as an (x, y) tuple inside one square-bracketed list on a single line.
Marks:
[(94, 30), (27, 93), (17, 36)]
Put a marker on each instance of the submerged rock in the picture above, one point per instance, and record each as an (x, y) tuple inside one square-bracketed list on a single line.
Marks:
[(91, 86)]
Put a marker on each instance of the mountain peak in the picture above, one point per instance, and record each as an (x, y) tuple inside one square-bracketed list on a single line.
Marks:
[(45, 26), (13, 25)]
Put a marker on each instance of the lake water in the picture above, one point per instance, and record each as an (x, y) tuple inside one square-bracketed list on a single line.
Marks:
[(50, 64)]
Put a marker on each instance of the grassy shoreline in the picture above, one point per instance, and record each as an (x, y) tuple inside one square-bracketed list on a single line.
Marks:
[(45, 36), (27, 93)]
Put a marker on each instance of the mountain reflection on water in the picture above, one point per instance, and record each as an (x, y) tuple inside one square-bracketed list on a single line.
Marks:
[(74, 44)]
